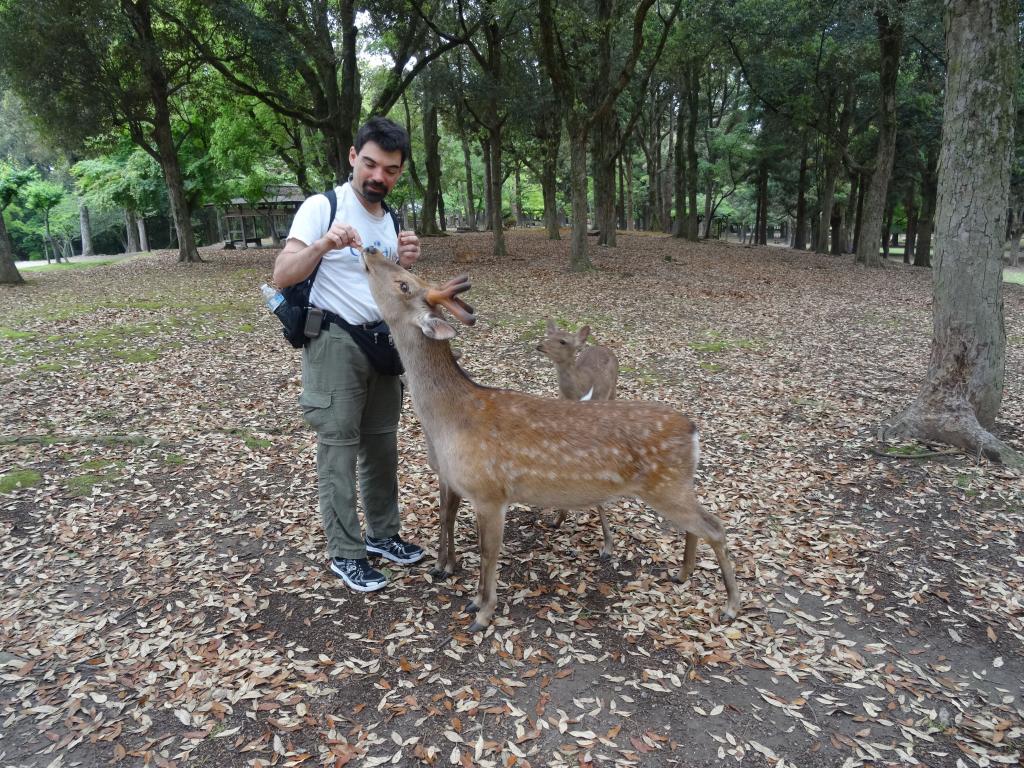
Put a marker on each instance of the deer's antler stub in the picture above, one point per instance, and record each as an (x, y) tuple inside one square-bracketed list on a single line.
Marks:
[(447, 296)]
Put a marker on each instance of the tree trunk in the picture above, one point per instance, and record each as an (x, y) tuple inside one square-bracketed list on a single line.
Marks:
[(833, 161), (709, 194), (890, 36), (517, 196), (578, 259), (143, 239), (836, 225), (549, 187), (850, 215), (166, 151), (762, 203), (693, 102), (431, 141), (495, 192), (629, 212), (131, 232), (962, 393), (485, 146), (886, 239), (680, 222), (800, 227), (86, 229), (910, 206), (926, 222), (468, 160), (9, 274)]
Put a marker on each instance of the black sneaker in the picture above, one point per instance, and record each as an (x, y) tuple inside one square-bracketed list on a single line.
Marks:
[(395, 550), (358, 574)]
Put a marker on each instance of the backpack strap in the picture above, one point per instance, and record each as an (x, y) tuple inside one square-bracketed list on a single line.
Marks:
[(332, 199)]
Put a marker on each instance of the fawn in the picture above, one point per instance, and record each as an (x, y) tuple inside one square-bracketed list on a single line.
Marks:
[(584, 373), (494, 447)]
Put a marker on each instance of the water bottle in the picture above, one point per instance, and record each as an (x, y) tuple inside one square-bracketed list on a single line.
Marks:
[(272, 297)]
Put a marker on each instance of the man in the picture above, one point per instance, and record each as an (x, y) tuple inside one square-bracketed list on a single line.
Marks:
[(353, 408)]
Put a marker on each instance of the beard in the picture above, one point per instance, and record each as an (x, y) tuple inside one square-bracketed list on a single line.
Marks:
[(374, 193)]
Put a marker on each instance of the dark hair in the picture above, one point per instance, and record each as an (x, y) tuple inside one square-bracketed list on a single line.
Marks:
[(387, 134)]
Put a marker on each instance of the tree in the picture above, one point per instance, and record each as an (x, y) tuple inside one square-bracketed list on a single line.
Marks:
[(962, 392), (11, 184), (90, 67), (890, 36), (42, 197)]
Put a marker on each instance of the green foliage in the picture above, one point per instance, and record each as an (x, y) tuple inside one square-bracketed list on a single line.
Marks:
[(43, 196), (128, 179), (13, 182)]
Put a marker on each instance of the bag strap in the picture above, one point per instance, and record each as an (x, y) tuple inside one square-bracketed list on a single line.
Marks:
[(332, 199)]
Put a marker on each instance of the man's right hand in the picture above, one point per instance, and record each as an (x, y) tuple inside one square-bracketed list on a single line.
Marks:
[(342, 236)]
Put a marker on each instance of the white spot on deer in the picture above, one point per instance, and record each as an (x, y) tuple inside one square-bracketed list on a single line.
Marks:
[(589, 395), (696, 448)]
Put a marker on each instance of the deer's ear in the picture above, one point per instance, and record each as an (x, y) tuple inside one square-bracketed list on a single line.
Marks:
[(583, 333), (435, 328)]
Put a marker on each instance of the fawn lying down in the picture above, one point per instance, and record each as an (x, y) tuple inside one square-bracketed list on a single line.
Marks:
[(495, 447)]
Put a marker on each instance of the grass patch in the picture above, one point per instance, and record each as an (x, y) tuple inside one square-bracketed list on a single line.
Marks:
[(54, 267), (174, 459), (19, 478), (137, 355), (10, 333), (48, 367), (716, 342), (710, 367), (100, 471)]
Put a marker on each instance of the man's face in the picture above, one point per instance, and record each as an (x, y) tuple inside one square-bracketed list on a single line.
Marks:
[(375, 171)]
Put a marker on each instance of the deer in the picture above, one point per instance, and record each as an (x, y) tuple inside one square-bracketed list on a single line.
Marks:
[(495, 447), (584, 373)]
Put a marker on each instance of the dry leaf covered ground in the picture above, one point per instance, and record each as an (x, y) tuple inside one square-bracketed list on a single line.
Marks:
[(164, 599)]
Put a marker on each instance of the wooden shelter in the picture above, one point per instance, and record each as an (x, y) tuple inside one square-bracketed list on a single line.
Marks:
[(243, 224)]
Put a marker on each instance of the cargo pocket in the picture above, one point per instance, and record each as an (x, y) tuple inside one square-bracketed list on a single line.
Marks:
[(316, 410)]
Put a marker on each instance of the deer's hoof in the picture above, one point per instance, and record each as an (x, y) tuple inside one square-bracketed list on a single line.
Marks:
[(730, 613), (604, 556), (476, 626), (439, 573), (472, 607)]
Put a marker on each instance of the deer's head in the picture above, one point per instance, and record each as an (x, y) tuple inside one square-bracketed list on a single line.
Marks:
[(562, 346), (407, 300)]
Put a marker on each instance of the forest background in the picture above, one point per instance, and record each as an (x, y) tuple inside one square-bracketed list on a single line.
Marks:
[(814, 124)]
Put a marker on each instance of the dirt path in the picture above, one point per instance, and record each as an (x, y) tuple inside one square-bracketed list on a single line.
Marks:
[(164, 599)]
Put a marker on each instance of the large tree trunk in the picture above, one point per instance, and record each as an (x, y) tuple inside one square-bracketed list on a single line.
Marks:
[(495, 203), (693, 104), (679, 224), (9, 274), (762, 203), (578, 259), (431, 141), (890, 36), (139, 13), (86, 229), (963, 391)]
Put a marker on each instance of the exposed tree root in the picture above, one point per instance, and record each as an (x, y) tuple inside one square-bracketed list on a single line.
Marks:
[(957, 426)]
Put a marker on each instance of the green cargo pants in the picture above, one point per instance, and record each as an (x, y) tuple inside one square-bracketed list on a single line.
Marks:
[(354, 411)]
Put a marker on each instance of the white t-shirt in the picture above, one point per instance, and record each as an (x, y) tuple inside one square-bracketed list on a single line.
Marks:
[(341, 285)]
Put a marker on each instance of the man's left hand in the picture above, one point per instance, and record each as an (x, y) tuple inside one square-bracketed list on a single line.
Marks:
[(408, 248)]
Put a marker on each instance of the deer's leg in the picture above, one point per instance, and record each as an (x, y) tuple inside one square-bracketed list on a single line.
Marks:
[(689, 557), (683, 511), (490, 526), (561, 517), (448, 506), (608, 547)]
